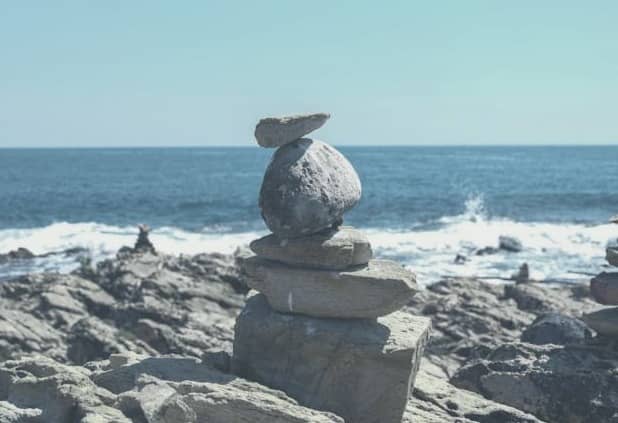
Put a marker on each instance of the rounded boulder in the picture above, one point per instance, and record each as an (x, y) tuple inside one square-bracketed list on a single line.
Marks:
[(308, 186)]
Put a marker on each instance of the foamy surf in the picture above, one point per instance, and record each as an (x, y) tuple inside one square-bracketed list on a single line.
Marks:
[(551, 250)]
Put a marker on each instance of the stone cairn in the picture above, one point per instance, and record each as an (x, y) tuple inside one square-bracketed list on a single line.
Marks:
[(604, 289), (324, 326)]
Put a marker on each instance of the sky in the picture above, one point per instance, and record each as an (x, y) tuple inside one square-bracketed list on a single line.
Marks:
[(397, 72)]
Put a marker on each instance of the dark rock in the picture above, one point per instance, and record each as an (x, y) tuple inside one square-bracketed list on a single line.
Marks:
[(570, 383), (19, 254), (555, 328), (523, 275), (143, 243), (604, 321), (307, 188), (510, 244), (611, 255), (604, 288), (487, 251)]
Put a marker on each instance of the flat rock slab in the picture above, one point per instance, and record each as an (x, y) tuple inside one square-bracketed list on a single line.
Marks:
[(331, 249), (376, 289), (604, 321), (274, 132), (604, 288), (361, 370), (307, 188), (611, 255)]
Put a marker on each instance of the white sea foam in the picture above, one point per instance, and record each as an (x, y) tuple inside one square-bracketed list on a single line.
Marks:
[(552, 250)]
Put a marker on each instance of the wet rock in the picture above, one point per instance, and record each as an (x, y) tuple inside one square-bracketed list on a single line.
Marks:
[(510, 244), (19, 254), (523, 274), (343, 366), (604, 288), (143, 243), (611, 255), (555, 383), (334, 249), (485, 251), (376, 289), (604, 321), (555, 328), (307, 188), (273, 132)]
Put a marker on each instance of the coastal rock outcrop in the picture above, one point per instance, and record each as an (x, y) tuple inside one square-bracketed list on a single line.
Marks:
[(307, 188)]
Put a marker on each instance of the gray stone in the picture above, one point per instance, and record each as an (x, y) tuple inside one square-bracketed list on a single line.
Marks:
[(604, 288), (307, 187), (377, 289), (361, 370), (556, 328), (331, 249), (604, 321), (177, 389), (571, 383), (611, 255), (273, 132), (510, 244)]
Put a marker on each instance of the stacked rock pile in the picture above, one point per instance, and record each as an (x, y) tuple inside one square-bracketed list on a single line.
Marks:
[(604, 289), (325, 326)]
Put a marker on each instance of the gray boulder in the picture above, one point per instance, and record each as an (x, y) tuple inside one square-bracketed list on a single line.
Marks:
[(604, 288), (331, 249), (376, 289), (273, 132), (556, 328), (307, 187), (510, 244), (362, 370), (573, 383), (604, 321)]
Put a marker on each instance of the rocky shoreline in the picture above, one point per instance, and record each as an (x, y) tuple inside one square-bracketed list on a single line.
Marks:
[(144, 318)]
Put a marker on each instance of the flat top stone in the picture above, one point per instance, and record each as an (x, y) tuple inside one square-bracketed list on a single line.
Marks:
[(376, 289), (330, 249), (274, 132), (307, 188)]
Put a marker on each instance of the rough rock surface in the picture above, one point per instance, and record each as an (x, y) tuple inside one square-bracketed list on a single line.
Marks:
[(509, 243), (137, 302), (604, 288), (555, 328), (369, 291), (334, 249), (277, 131), (556, 383), (358, 369), (611, 255), (187, 306), (176, 389), (604, 321), (435, 400), (307, 187)]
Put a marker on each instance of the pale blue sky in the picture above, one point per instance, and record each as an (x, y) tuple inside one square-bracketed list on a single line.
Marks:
[(154, 73)]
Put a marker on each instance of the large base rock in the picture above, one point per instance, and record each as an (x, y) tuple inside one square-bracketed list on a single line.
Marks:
[(376, 289), (604, 288), (361, 370), (604, 321)]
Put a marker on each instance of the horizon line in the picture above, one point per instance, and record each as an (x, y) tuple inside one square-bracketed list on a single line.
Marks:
[(129, 147)]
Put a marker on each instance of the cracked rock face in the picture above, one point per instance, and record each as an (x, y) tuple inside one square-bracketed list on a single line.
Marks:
[(307, 188)]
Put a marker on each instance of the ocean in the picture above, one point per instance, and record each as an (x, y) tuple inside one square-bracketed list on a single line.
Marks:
[(420, 205)]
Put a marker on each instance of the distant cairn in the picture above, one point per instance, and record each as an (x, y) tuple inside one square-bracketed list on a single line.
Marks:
[(604, 289), (324, 326)]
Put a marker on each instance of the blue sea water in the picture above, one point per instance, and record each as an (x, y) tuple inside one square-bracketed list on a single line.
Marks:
[(420, 205)]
